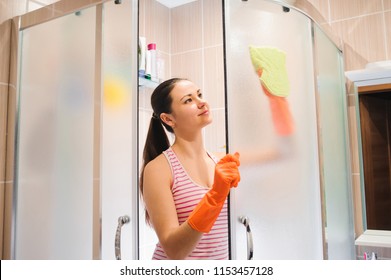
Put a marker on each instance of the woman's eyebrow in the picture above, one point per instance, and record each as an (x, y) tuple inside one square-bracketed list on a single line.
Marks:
[(189, 94)]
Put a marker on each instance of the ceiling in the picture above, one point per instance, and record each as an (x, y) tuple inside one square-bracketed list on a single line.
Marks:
[(174, 3)]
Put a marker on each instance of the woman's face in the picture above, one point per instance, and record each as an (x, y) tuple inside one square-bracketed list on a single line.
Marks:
[(189, 109)]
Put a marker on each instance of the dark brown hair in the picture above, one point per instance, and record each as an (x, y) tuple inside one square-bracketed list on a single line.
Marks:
[(157, 140)]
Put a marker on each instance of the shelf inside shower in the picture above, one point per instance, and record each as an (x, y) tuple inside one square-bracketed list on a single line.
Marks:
[(143, 82)]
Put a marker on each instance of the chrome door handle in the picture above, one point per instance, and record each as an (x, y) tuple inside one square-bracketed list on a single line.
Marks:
[(250, 246), (121, 221)]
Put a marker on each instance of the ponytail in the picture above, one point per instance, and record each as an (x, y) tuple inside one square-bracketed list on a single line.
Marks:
[(157, 140)]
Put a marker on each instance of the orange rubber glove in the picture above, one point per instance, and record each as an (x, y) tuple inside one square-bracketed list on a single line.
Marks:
[(281, 114), (208, 209)]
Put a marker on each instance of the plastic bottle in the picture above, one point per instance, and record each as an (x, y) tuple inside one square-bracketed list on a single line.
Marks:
[(142, 58), (148, 64), (151, 49)]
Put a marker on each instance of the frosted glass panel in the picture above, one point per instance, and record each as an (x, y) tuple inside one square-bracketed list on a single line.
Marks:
[(55, 156), (119, 127), (281, 197), (336, 171)]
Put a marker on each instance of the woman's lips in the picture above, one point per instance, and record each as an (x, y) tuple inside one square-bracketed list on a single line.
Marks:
[(204, 113)]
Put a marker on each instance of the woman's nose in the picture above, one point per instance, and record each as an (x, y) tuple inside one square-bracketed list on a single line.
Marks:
[(201, 102)]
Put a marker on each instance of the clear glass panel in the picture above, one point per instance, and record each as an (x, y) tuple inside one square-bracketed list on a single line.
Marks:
[(148, 238), (119, 127), (281, 197), (55, 143), (334, 148)]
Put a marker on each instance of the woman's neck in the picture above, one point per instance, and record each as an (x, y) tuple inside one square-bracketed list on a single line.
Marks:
[(189, 148)]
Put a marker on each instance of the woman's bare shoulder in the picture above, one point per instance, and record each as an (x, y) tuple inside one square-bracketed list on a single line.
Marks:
[(157, 179), (158, 166)]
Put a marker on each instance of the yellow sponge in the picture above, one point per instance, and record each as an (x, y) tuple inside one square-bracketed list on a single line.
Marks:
[(269, 62)]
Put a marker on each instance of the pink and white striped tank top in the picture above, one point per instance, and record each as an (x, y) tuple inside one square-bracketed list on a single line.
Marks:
[(187, 194)]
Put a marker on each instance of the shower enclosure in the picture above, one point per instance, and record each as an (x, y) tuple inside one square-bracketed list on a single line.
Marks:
[(296, 204), (79, 121)]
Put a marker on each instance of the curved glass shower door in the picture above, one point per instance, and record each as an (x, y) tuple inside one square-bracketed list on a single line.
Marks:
[(294, 171), (279, 193)]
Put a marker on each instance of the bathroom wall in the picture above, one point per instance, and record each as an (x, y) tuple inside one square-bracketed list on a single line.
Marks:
[(11, 8), (364, 26), (189, 41)]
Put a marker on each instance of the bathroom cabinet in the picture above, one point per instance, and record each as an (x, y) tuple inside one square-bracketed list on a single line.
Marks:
[(370, 88), (375, 119)]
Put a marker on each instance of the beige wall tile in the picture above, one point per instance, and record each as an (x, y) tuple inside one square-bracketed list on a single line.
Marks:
[(32, 6), (214, 76), (11, 124), (387, 19), (13, 53), (163, 66), (387, 5), (7, 233), (5, 36), (212, 22), (141, 19), (4, 13), (353, 60), (2, 195), (44, 2), (3, 128), (364, 35), (342, 9), (357, 205), (36, 16), (353, 134), (323, 7), (186, 27), (157, 23), (60, 7), (188, 65), (156, 29), (11, 8), (37, 4)]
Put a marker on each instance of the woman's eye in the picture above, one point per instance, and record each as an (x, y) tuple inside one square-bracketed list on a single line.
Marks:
[(200, 95), (188, 100)]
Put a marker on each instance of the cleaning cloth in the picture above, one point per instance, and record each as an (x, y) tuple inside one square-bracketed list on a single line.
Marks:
[(269, 64)]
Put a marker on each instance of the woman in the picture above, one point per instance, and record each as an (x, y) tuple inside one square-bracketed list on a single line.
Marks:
[(184, 188)]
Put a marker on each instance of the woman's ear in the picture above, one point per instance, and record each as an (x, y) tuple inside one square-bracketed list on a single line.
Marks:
[(167, 119)]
